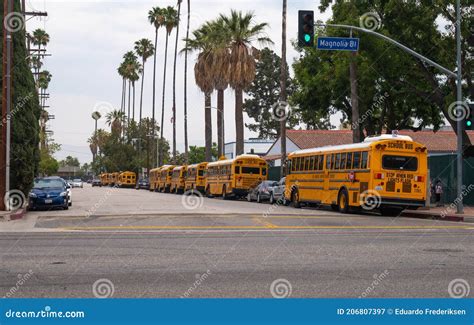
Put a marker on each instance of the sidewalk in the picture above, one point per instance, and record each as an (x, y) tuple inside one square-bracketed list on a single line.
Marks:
[(12, 215), (442, 213)]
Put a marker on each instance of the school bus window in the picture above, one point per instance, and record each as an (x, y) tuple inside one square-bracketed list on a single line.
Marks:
[(321, 162), (356, 164), (251, 170), (300, 163), (314, 163), (328, 162), (343, 161), (399, 163), (338, 161), (365, 156), (264, 171), (308, 163), (237, 170), (349, 160)]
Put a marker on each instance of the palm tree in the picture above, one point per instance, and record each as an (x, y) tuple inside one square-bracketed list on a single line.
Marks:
[(144, 49), (131, 66), (40, 38), (201, 42), (186, 153), (170, 16), (114, 119), (220, 75), (242, 33), (121, 71), (44, 78), (174, 78), (156, 18), (36, 65)]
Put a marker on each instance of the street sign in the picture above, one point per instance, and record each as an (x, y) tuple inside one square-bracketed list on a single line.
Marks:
[(338, 43)]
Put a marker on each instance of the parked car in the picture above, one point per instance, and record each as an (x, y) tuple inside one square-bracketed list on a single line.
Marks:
[(96, 182), (48, 193), (77, 183), (143, 184), (260, 192), (277, 192)]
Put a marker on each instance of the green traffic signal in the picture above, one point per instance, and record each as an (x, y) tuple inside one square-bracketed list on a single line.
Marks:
[(307, 38), (468, 123)]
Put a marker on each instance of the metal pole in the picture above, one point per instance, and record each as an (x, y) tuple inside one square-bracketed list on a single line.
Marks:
[(460, 208), (8, 101), (403, 47)]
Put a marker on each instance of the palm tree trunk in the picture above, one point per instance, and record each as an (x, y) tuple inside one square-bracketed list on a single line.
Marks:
[(239, 122), (154, 77), (128, 115), (220, 122), (133, 100), (174, 82), (186, 152), (141, 93), (283, 93), (160, 156), (208, 126)]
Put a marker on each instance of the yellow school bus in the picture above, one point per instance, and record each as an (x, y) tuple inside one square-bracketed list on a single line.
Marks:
[(386, 173), (113, 178), (104, 179), (153, 178), (164, 178), (178, 179), (196, 177), (234, 177), (127, 179)]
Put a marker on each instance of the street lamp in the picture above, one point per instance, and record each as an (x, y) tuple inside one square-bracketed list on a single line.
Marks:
[(220, 111), (96, 116)]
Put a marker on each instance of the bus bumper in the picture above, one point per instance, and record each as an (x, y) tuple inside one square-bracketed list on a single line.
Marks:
[(397, 202)]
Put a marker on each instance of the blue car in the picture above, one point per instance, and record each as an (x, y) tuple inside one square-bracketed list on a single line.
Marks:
[(48, 193)]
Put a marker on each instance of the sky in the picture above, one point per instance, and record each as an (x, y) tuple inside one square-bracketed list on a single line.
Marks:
[(88, 40)]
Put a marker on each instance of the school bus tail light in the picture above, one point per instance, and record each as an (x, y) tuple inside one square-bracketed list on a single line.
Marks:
[(419, 179), (379, 176)]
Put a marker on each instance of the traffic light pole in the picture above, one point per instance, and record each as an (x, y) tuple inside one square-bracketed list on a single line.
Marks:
[(457, 75)]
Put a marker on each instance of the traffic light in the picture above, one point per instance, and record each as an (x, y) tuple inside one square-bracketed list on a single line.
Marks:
[(469, 124), (305, 28)]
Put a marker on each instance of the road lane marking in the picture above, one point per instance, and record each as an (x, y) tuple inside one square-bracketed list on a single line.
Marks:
[(262, 222), (259, 227)]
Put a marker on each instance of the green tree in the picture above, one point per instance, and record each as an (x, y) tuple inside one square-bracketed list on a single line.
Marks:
[(264, 96), (25, 155), (157, 19), (70, 161), (171, 20), (243, 33), (144, 49)]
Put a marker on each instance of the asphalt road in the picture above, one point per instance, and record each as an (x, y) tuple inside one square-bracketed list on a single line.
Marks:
[(141, 244)]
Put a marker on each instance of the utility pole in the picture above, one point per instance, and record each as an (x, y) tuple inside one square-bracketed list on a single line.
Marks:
[(283, 94), (459, 205), (6, 103)]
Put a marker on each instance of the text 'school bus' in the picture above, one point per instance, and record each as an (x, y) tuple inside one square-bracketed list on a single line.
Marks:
[(164, 181), (127, 179), (196, 177), (234, 177), (104, 179), (153, 176), (178, 179), (387, 172)]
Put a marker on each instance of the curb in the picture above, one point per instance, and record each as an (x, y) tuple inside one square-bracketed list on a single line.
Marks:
[(14, 215), (432, 216)]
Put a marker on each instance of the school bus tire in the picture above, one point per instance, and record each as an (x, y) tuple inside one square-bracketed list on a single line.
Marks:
[(295, 198), (343, 201), (208, 192), (224, 193)]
